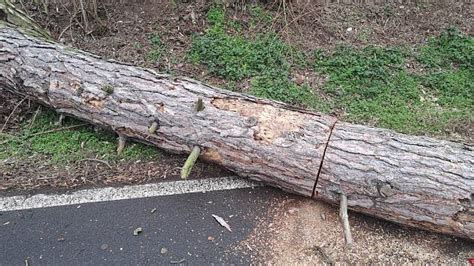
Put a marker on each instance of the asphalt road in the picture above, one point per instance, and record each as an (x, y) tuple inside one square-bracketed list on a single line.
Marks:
[(180, 231)]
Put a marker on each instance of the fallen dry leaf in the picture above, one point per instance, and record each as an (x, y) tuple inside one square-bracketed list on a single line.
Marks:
[(222, 222), (137, 231)]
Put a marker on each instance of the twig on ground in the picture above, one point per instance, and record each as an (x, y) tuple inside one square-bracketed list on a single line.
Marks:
[(97, 160), (64, 30), (34, 117), (60, 120), (7, 135), (84, 15), (177, 261), (57, 129), (41, 133), (13, 111), (345, 220)]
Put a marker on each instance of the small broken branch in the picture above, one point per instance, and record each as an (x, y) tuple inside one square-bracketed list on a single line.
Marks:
[(199, 105), (38, 110), (192, 158), (188, 165), (57, 129), (121, 144), (152, 129), (60, 119), (345, 220), (97, 160)]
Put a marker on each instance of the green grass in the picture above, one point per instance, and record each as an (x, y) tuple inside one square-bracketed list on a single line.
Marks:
[(265, 60), (157, 48), (368, 85), (69, 146), (372, 84), (450, 49), (449, 60)]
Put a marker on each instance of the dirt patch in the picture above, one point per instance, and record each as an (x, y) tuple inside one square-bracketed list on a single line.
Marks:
[(123, 31), (390, 23), (304, 232)]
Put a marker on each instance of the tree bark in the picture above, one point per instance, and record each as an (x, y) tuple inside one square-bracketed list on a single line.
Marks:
[(416, 181)]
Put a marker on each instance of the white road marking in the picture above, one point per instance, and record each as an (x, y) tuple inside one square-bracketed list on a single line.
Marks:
[(121, 193)]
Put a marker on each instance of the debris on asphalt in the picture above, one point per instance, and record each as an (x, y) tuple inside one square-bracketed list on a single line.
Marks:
[(61, 239), (153, 210), (222, 222), (177, 261), (163, 251), (104, 246), (137, 231), (210, 238)]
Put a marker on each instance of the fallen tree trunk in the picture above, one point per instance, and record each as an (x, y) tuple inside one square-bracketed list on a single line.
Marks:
[(416, 181)]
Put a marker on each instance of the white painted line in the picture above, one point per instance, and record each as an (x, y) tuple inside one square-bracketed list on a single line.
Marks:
[(121, 193)]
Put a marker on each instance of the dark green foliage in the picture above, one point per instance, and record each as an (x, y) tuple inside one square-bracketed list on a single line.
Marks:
[(450, 48), (157, 48)]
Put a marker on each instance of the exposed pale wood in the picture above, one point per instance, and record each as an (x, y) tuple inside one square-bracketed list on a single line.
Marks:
[(122, 140), (60, 120), (417, 181), (188, 165)]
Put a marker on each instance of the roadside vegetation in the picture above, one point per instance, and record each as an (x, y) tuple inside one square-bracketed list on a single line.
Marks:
[(371, 85), (264, 59)]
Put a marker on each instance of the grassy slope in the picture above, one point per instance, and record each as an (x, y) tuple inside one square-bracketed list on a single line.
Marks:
[(371, 85)]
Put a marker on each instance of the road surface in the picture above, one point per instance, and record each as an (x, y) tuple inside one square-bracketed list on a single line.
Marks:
[(85, 227)]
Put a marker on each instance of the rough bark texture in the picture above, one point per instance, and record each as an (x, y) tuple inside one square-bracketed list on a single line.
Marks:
[(417, 181)]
